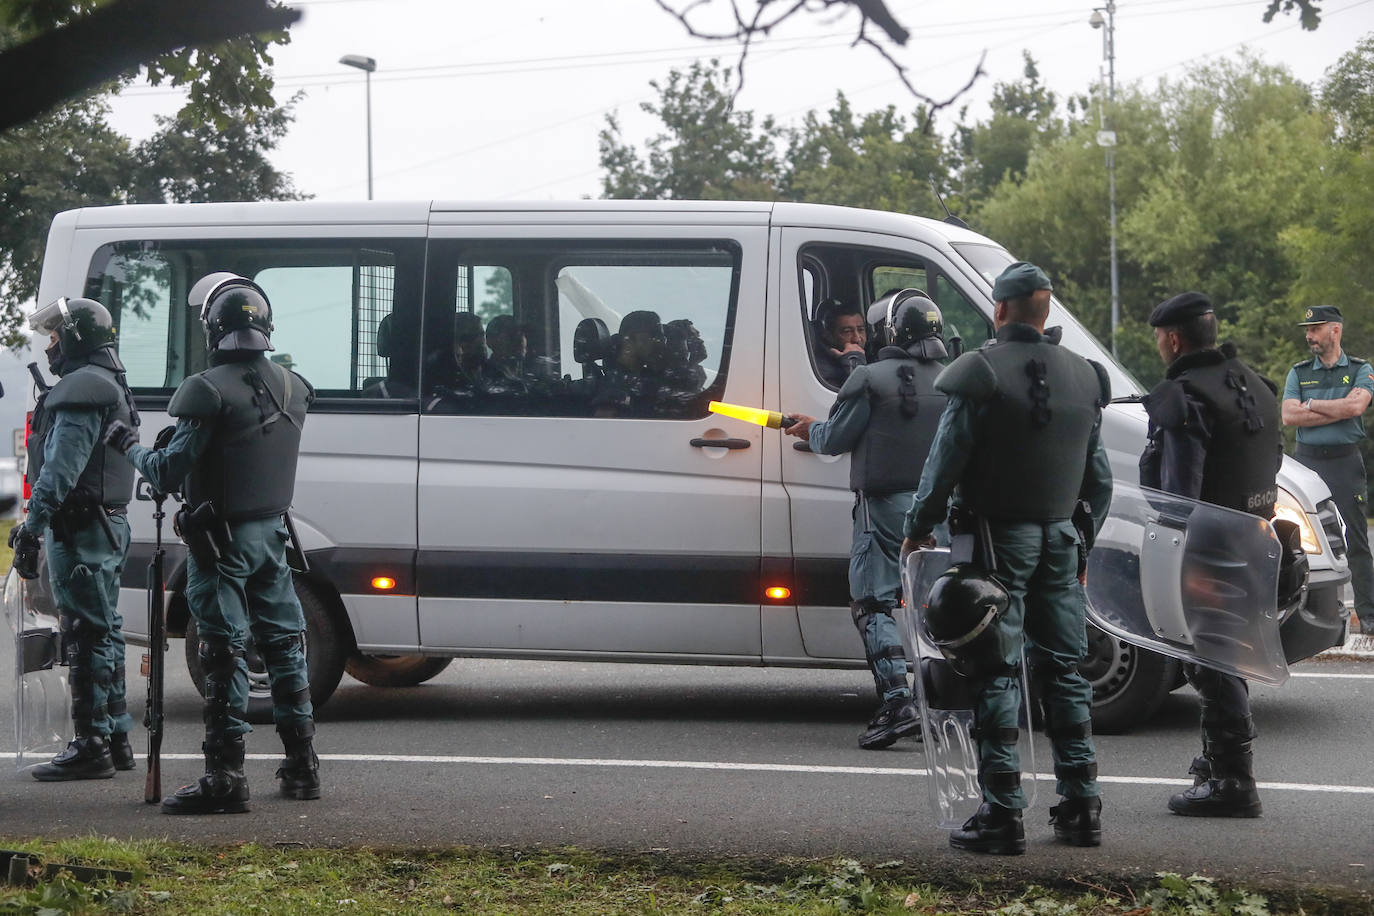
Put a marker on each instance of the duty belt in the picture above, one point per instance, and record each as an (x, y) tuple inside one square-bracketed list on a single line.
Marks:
[(1327, 451)]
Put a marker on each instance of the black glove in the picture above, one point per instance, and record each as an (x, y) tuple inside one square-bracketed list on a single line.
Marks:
[(164, 437), (25, 545), (121, 437)]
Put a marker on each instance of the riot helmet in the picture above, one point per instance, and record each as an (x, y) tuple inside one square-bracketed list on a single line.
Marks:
[(1293, 567), (82, 325), (909, 317), (961, 619), (234, 311)]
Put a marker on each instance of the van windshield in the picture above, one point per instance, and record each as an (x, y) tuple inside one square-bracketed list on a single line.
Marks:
[(991, 260)]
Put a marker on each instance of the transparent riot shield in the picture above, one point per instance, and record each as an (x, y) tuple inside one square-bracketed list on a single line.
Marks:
[(42, 700), (1190, 580), (947, 701)]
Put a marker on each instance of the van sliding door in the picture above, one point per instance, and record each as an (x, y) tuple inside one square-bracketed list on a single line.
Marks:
[(571, 503)]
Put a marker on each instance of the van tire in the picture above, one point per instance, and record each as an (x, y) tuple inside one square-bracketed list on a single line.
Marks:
[(1129, 683), (324, 658), (394, 670)]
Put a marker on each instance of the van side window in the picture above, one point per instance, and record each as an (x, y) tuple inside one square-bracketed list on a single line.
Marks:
[(838, 284), (962, 319), (611, 329), (346, 312)]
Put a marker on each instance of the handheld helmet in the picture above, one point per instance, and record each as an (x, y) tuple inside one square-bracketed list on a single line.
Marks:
[(234, 311), (82, 325), (961, 619), (1293, 567)]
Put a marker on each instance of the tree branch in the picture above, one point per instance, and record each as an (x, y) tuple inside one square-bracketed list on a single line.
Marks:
[(870, 11), (116, 39)]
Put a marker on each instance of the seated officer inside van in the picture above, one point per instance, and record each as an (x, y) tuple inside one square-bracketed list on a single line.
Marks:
[(634, 369), (841, 336)]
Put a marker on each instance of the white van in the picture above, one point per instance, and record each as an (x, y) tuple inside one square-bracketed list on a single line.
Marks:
[(556, 505)]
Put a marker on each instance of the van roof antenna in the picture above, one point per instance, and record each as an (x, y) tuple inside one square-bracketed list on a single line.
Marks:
[(949, 217)]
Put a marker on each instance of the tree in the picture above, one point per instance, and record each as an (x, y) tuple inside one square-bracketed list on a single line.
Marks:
[(56, 49), (1023, 117), (707, 150), (1347, 94), (875, 161)]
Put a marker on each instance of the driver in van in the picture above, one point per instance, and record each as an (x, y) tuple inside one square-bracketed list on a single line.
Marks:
[(840, 340), (233, 456)]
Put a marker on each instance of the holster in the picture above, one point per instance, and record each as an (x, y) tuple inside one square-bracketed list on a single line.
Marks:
[(73, 516), (1083, 521), (970, 539), (205, 533)]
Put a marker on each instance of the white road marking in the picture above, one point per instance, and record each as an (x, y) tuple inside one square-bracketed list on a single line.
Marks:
[(725, 765), (1333, 675)]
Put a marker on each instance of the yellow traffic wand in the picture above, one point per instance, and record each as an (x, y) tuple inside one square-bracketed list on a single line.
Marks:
[(757, 415)]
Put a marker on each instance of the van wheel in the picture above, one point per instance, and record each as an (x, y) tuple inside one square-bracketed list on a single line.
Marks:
[(394, 670), (324, 658), (1128, 683)]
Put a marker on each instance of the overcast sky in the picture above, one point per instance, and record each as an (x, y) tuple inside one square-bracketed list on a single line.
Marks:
[(504, 100)]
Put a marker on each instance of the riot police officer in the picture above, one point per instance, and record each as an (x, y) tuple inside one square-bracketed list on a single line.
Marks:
[(1214, 436), (80, 493), (885, 415), (1018, 448), (233, 455)]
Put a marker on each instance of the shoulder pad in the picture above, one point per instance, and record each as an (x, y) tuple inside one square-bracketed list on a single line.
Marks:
[(970, 376), (854, 386), (1167, 404), (195, 398), (309, 388), (1302, 362), (1104, 382), (84, 389), (1355, 359)]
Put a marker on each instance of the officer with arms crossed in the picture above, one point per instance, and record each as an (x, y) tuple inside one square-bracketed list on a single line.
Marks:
[(1018, 448), (234, 457), (1214, 436), (1325, 398), (80, 493), (885, 414)]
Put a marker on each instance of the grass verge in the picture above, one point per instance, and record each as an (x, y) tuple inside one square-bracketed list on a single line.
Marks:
[(248, 878)]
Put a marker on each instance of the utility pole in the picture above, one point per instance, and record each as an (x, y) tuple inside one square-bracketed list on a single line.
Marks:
[(1106, 138)]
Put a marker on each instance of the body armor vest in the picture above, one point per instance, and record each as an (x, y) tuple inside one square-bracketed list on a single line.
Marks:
[(1245, 449), (248, 468), (1032, 435), (906, 408), (107, 479)]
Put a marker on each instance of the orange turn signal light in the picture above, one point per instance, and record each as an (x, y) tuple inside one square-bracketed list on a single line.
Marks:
[(383, 583), (778, 592)]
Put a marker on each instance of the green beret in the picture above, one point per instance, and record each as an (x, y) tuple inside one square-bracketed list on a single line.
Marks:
[(1018, 281)]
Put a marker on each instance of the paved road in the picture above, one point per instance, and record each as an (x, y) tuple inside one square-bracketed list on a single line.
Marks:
[(732, 761)]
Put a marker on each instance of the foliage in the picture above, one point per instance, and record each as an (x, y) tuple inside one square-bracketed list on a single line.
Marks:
[(708, 150), (1196, 895)]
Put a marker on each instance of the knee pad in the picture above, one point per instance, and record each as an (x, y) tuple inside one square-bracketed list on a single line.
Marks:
[(278, 651), (865, 609)]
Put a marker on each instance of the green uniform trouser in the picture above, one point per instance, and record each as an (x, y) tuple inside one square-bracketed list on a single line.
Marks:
[(249, 590), (84, 571), (875, 585), (1038, 563)]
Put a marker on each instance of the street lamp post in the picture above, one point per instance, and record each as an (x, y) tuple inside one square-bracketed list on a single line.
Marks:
[(1106, 138), (367, 65)]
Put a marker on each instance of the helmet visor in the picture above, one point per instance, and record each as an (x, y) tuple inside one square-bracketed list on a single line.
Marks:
[(50, 317)]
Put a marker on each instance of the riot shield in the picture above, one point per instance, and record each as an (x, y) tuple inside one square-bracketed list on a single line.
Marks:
[(1190, 580), (42, 700), (947, 701)]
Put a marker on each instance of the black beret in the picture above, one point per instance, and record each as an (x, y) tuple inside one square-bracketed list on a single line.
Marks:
[(1181, 308), (1321, 314)]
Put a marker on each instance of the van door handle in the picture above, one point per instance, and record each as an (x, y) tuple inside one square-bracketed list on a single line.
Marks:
[(802, 446), (719, 443)]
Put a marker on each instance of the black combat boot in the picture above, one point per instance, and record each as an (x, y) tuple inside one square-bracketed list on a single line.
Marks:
[(1078, 821), (899, 717), (994, 829), (300, 771), (121, 751), (222, 790), (1228, 791), (86, 757)]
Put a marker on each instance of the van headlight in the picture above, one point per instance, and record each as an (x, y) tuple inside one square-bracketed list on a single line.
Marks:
[(1289, 509)]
